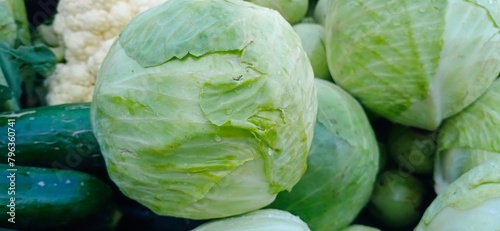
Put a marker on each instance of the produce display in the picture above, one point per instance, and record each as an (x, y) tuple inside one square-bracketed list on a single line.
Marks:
[(261, 115)]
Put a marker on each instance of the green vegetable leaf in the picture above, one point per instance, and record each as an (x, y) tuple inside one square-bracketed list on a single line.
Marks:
[(7, 25), (7, 102), (39, 57), (21, 64), (5, 93), (10, 71), (17, 14), (200, 33)]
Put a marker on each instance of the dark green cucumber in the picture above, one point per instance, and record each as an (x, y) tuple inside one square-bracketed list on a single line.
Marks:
[(106, 219), (52, 136), (46, 198)]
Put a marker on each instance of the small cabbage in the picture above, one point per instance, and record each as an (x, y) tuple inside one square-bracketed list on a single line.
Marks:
[(360, 228), (342, 164), (468, 138), (320, 12), (397, 199), (472, 202), (260, 220), (312, 36), (208, 111), (412, 149), (414, 62), (292, 10)]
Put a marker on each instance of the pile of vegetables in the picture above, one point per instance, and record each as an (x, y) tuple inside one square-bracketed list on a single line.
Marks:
[(210, 115)]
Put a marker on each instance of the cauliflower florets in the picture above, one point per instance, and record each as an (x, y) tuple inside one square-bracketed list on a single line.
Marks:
[(87, 29)]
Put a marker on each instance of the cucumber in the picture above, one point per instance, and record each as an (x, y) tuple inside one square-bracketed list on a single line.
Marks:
[(105, 220), (45, 199), (52, 136)]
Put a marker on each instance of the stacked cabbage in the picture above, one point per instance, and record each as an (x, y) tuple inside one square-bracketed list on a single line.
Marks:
[(212, 112)]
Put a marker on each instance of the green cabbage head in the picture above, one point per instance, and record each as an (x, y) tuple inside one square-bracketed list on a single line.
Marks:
[(205, 109), (472, 202), (360, 228), (469, 138), (292, 10), (414, 62), (341, 167), (260, 220)]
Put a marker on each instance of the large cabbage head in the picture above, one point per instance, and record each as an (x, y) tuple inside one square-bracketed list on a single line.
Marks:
[(205, 109), (414, 62)]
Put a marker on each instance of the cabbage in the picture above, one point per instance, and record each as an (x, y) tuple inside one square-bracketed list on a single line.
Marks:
[(412, 149), (313, 40), (414, 62), (320, 12), (260, 220), (342, 165), (292, 10), (360, 228), (468, 138), (209, 111), (472, 202), (397, 200)]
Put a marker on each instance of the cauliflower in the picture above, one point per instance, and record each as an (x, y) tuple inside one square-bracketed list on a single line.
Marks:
[(87, 29)]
